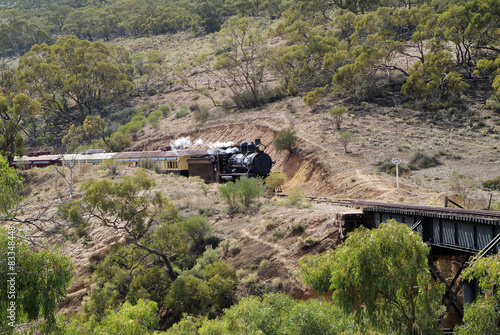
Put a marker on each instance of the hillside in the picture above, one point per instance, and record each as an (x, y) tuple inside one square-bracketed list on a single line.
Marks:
[(265, 243), (265, 248)]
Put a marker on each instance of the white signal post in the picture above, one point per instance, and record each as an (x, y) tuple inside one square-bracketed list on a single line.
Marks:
[(397, 161)]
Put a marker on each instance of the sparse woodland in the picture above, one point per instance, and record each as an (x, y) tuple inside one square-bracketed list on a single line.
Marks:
[(368, 76)]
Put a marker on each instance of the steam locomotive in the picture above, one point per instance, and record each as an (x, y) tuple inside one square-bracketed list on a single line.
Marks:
[(214, 165), (230, 163)]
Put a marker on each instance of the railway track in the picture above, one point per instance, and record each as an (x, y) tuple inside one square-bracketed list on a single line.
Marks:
[(422, 208)]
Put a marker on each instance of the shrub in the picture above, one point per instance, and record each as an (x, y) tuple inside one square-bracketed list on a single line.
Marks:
[(123, 116), (423, 161), (296, 197), (165, 109), (241, 192), (182, 113), (273, 182), (390, 168), (201, 113), (308, 241), (346, 137), (154, 117), (298, 228), (337, 113), (119, 141), (493, 184), (285, 140)]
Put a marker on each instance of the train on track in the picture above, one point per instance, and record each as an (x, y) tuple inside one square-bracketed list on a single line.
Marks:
[(213, 165)]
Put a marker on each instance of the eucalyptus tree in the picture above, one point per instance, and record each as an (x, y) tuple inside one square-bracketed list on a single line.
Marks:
[(14, 111), (242, 60), (131, 206), (382, 277), (75, 78)]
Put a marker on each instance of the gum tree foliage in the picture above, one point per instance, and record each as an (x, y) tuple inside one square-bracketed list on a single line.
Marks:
[(10, 188), (242, 60), (41, 280), (93, 127), (75, 78), (436, 79), (140, 318), (337, 114), (285, 139), (481, 316), (345, 138), (299, 63), (14, 111), (272, 314), (382, 277), (131, 206), (473, 28)]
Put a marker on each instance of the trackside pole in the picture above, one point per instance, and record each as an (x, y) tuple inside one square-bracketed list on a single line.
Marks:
[(397, 161)]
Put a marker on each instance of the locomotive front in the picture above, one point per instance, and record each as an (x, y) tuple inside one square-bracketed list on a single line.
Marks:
[(251, 160)]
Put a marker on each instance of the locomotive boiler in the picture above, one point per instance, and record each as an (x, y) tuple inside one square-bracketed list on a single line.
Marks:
[(230, 163)]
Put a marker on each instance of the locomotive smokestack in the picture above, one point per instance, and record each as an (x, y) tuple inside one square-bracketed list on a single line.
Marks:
[(257, 141), (244, 147)]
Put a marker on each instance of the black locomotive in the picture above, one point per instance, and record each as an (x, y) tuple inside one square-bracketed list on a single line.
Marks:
[(230, 163)]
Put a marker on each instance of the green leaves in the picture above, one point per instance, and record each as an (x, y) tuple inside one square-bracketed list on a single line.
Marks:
[(285, 140), (10, 188), (382, 276), (72, 77), (14, 110), (481, 316), (243, 192), (48, 271)]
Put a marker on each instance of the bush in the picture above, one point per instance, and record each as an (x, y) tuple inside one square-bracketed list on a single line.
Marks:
[(390, 168), (285, 140), (273, 182), (297, 198), (337, 113), (492, 184), (182, 113), (154, 117), (346, 137), (242, 192), (201, 113), (423, 161), (123, 116)]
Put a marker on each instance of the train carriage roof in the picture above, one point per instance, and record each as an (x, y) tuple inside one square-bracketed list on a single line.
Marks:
[(35, 159), (160, 154), (87, 157)]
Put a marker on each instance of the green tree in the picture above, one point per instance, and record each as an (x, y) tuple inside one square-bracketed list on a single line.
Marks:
[(382, 276), (481, 316), (345, 138), (435, 79), (93, 127), (74, 78), (471, 27), (10, 188), (13, 112), (273, 314), (137, 319), (285, 139), (150, 70), (130, 205), (242, 61), (337, 114), (299, 64), (48, 271)]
